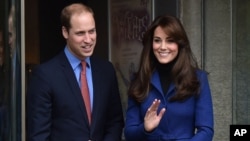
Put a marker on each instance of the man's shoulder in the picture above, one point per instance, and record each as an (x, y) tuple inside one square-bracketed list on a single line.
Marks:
[(52, 63), (100, 61), (101, 64)]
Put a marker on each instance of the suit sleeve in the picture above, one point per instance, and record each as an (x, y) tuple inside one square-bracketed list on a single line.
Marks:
[(114, 125), (38, 107)]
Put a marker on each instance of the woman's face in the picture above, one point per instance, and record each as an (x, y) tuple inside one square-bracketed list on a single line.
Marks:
[(164, 48)]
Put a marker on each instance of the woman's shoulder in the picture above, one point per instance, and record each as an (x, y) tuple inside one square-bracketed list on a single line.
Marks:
[(202, 74)]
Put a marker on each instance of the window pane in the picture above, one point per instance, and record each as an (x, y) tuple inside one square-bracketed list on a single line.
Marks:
[(10, 71)]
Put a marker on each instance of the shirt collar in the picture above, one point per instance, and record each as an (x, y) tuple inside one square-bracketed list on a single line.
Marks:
[(73, 60)]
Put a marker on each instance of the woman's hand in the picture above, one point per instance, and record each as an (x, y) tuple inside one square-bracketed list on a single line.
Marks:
[(151, 119)]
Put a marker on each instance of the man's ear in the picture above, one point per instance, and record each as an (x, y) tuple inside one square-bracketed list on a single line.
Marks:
[(65, 32)]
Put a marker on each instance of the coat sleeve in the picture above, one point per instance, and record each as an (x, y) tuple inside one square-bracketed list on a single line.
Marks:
[(204, 121), (134, 128)]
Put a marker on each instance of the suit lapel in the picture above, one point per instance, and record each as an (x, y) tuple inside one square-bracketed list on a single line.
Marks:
[(73, 84), (96, 73)]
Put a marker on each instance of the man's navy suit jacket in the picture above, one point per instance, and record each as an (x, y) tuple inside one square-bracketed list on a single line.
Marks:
[(56, 111)]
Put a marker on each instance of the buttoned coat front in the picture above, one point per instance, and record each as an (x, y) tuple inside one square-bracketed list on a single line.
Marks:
[(190, 120)]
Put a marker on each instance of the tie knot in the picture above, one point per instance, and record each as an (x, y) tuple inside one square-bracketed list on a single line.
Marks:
[(83, 66)]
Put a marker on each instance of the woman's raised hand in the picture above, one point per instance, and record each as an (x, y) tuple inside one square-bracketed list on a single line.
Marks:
[(151, 119)]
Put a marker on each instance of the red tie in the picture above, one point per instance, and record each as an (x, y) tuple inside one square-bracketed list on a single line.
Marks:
[(85, 90)]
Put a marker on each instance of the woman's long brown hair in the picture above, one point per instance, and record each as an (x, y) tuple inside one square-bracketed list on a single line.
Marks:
[(184, 69)]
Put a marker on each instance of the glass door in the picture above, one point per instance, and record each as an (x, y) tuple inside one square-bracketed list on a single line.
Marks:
[(10, 71)]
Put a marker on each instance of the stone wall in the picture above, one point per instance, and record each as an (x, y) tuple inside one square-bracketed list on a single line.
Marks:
[(208, 25)]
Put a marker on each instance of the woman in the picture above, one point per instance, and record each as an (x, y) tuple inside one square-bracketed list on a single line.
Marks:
[(169, 98)]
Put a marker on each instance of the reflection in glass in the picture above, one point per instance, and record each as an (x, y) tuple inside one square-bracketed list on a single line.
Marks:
[(10, 71), (15, 81)]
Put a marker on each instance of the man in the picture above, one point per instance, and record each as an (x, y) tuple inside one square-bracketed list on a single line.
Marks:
[(56, 108)]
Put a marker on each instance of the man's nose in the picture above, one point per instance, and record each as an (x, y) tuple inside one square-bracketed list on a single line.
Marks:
[(87, 38)]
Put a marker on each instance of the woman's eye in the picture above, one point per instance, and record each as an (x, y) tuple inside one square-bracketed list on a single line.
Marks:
[(170, 41), (157, 40)]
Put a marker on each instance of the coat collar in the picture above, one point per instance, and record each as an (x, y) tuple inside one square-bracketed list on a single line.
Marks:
[(156, 83)]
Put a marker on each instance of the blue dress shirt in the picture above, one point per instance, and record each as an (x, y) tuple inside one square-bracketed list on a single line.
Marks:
[(77, 67)]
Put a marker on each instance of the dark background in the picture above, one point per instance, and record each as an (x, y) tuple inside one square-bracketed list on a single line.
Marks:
[(51, 40)]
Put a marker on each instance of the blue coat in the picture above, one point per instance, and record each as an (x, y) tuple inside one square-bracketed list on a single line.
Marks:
[(190, 120)]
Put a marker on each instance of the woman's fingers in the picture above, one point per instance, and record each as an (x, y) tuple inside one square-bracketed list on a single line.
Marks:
[(154, 106), (161, 112), (152, 119)]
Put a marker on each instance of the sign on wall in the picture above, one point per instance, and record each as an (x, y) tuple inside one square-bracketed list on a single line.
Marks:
[(128, 22)]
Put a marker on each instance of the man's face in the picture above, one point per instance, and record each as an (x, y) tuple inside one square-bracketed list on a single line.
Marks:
[(12, 34), (81, 37), (1, 48)]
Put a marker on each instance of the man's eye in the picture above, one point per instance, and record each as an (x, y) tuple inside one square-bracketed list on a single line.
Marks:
[(79, 33), (92, 31)]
